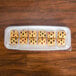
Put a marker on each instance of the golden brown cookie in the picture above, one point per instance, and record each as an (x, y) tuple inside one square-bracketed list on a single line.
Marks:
[(51, 41), (13, 41), (23, 41), (61, 34), (32, 34), (61, 42), (14, 33), (23, 33), (42, 34), (42, 41), (51, 34), (32, 41)]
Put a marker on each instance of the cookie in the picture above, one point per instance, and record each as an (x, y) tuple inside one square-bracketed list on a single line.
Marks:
[(13, 41), (51, 34), (42, 41), (42, 34), (23, 41), (51, 42), (23, 33), (61, 42), (32, 34), (61, 34), (32, 41), (14, 33)]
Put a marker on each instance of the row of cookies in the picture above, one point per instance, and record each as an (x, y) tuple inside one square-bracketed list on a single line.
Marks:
[(42, 39), (24, 33)]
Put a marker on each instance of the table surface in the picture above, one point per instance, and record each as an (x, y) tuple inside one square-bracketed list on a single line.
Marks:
[(37, 12)]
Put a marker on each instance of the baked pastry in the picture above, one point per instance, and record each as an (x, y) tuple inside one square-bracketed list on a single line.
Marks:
[(32, 34), (14, 33), (23, 33), (51, 34), (42, 41), (32, 41), (13, 41), (61, 34), (61, 42), (42, 34), (51, 41), (23, 41)]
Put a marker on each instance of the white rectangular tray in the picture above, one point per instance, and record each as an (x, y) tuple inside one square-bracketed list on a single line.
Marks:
[(37, 47)]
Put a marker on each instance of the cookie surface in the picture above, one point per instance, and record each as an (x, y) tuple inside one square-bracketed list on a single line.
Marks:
[(61, 42), (42, 34), (32, 41), (51, 42), (23, 33), (42, 41), (61, 34), (14, 33), (23, 41), (51, 34), (13, 41), (32, 34)]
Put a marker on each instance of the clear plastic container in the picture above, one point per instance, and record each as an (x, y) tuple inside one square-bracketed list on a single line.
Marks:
[(62, 40)]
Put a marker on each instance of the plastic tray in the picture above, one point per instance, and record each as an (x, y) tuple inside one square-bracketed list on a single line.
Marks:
[(38, 47)]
